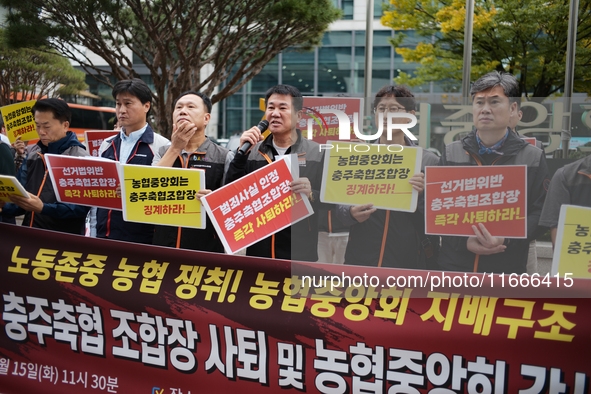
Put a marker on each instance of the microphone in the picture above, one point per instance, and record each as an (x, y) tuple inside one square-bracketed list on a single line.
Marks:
[(263, 124)]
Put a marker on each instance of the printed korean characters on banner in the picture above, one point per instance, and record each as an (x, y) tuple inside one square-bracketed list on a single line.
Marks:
[(19, 121), (459, 197), (10, 185), (84, 180), (572, 251), (257, 205), (320, 120), (86, 315), (357, 174), (161, 195), (94, 139)]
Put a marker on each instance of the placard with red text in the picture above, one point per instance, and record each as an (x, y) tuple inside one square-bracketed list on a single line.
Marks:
[(84, 180), (457, 198), (94, 139), (256, 206), (325, 126)]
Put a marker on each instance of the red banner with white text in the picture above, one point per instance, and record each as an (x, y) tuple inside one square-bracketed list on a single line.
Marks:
[(460, 197), (83, 315)]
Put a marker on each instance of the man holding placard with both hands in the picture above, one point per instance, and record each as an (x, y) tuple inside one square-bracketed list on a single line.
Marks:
[(490, 143), (390, 238)]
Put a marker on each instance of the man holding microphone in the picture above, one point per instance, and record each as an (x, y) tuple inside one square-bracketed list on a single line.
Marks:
[(283, 110)]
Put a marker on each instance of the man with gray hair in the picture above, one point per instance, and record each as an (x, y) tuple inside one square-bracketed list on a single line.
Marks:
[(491, 142)]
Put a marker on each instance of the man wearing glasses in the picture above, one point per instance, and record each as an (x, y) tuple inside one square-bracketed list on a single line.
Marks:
[(385, 238), (492, 142)]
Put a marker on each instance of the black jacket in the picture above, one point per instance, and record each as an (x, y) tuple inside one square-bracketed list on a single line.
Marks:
[(454, 255), (388, 243), (299, 241), (211, 158)]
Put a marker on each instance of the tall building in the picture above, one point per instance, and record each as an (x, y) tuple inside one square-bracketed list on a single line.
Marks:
[(337, 66)]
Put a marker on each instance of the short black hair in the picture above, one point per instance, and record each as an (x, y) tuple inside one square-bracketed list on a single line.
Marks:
[(136, 87), (403, 95), (494, 78), (287, 90), (206, 100), (60, 109)]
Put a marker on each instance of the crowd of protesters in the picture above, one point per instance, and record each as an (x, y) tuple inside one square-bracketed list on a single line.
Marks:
[(365, 235)]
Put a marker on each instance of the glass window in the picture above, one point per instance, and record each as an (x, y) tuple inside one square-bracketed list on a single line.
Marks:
[(234, 121), (334, 69), (253, 117), (252, 100), (103, 90), (378, 8), (380, 69), (339, 68), (269, 76), (298, 70), (412, 39), (340, 38), (381, 55), (231, 75), (346, 6), (234, 100), (380, 38)]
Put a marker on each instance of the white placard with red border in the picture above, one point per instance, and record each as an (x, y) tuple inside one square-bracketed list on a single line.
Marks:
[(257, 205), (94, 139), (90, 181), (325, 126), (459, 197)]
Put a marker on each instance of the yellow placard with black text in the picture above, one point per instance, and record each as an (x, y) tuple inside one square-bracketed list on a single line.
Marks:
[(19, 121), (161, 195), (356, 174), (10, 185), (572, 251)]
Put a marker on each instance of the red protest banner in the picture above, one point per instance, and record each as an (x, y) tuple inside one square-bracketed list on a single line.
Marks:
[(90, 315), (256, 206), (325, 126), (456, 198), (94, 139), (84, 180)]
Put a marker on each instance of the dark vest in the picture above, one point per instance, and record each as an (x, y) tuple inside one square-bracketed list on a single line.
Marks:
[(211, 158)]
